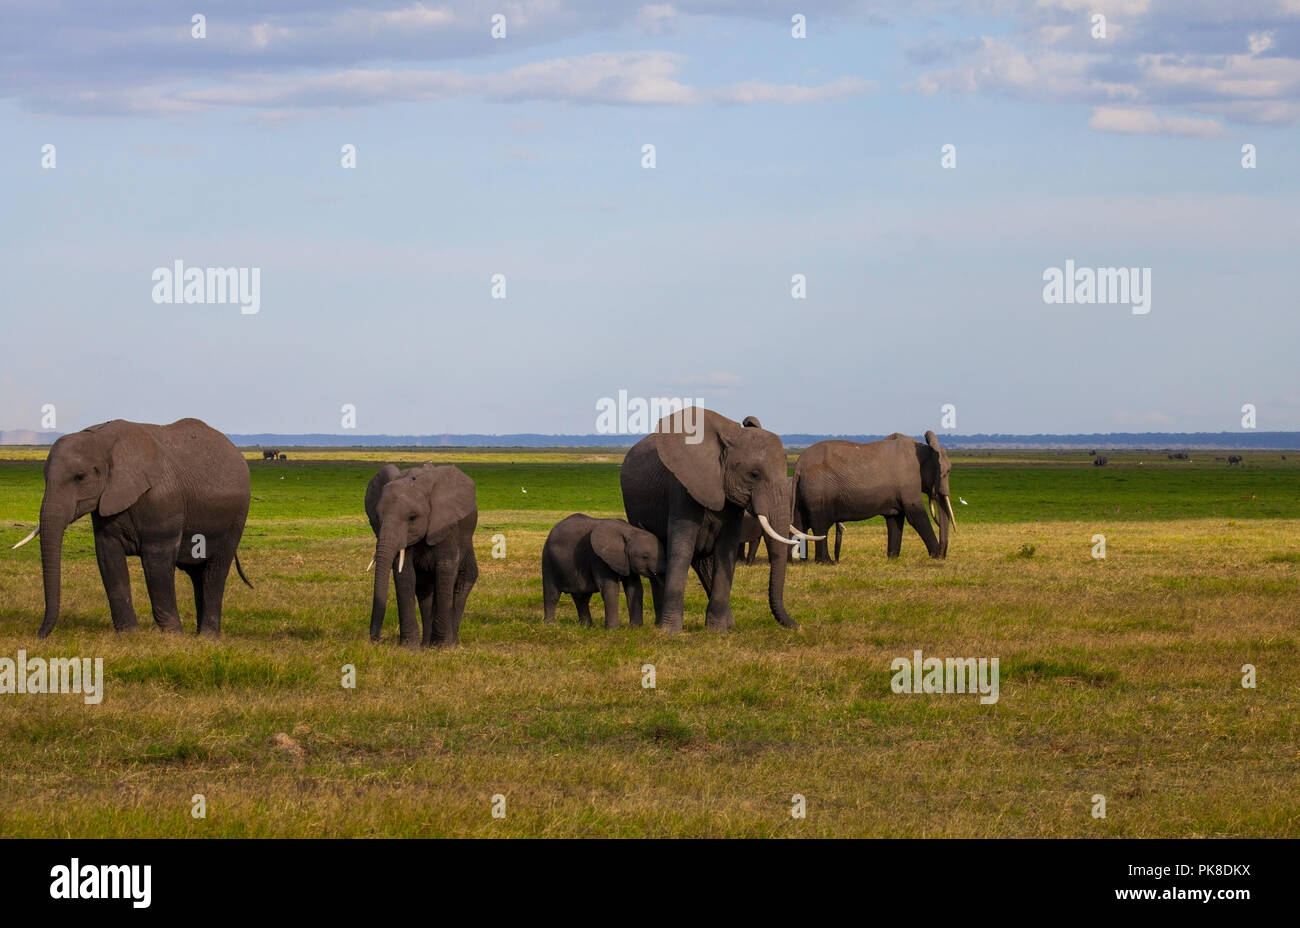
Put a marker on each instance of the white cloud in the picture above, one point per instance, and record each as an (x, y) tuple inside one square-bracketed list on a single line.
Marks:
[(1146, 122), (637, 78)]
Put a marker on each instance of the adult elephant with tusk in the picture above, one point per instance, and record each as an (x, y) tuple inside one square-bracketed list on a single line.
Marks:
[(424, 520), (689, 483), (173, 495), (844, 481)]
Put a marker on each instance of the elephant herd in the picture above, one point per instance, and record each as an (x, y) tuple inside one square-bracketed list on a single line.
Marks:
[(694, 492)]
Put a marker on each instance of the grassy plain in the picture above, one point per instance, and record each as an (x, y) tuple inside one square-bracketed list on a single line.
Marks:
[(1119, 676)]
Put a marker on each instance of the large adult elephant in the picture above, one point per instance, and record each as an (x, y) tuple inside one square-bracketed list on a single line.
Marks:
[(844, 481), (425, 515), (689, 483), (173, 495)]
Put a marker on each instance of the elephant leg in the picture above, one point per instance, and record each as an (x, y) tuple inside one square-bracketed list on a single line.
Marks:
[(823, 547), (681, 551), (408, 626), (919, 519), (443, 631), (583, 602), (117, 582), (550, 597), (634, 593), (704, 568), (839, 536), (894, 527), (212, 579), (196, 580), (718, 615), (160, 580), (657, 598), (465, 580), (424, 589), (609, 593)]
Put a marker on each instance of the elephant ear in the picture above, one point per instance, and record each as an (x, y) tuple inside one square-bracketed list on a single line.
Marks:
[(691, 444), (611, 547), (451, 500), (751, 422), (132, 468), (375, 489), (933, 441)]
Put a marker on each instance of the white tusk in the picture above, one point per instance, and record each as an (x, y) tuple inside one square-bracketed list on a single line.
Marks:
[(401, 560), (948, 500), (795, 531), (35, 532), (771, 532), (370, 565), (932, 515)]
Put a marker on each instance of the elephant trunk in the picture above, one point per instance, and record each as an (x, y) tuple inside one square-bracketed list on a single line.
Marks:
[(387, 546), (53, 525), (779, 556), (943, 516), (776, 508)]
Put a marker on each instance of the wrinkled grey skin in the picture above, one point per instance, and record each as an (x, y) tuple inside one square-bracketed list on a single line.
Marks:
[(149, 489), (844, 481), (583, 556), (693, 497), (751, 533), (431, 513)]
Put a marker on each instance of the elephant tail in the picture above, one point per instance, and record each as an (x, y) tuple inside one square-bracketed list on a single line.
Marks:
[(240, 568)]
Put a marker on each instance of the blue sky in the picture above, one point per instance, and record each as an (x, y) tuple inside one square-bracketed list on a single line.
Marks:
[(775, 156)]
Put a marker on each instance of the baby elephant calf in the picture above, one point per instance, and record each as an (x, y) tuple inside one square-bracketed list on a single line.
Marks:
[(583, 555)]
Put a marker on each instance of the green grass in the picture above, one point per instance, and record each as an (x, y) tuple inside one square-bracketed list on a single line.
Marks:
[(1119, 676)]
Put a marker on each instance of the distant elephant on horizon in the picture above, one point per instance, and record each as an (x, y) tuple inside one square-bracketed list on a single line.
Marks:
[(583, 556), (838, 481), (425, 515), (173, 495), (269, 454)]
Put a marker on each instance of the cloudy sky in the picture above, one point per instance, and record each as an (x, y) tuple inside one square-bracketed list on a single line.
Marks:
[(774, 156)]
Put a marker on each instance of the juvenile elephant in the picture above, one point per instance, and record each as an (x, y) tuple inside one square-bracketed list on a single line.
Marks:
[(425, 515), (690, 483), (173, 495), (844, 481), (583, 556)]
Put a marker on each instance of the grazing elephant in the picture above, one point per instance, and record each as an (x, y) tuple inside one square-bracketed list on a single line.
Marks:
[(269, 454), (1100, 461), (284, 457), (1234, 459), (844, 481), (425, 515), (173, 495), (690, 483), (583, 556)]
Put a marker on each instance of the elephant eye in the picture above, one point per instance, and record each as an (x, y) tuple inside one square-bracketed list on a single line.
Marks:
[(79, 478)]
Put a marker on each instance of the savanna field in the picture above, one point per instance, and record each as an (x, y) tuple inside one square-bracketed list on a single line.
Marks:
[(1120, 677)]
